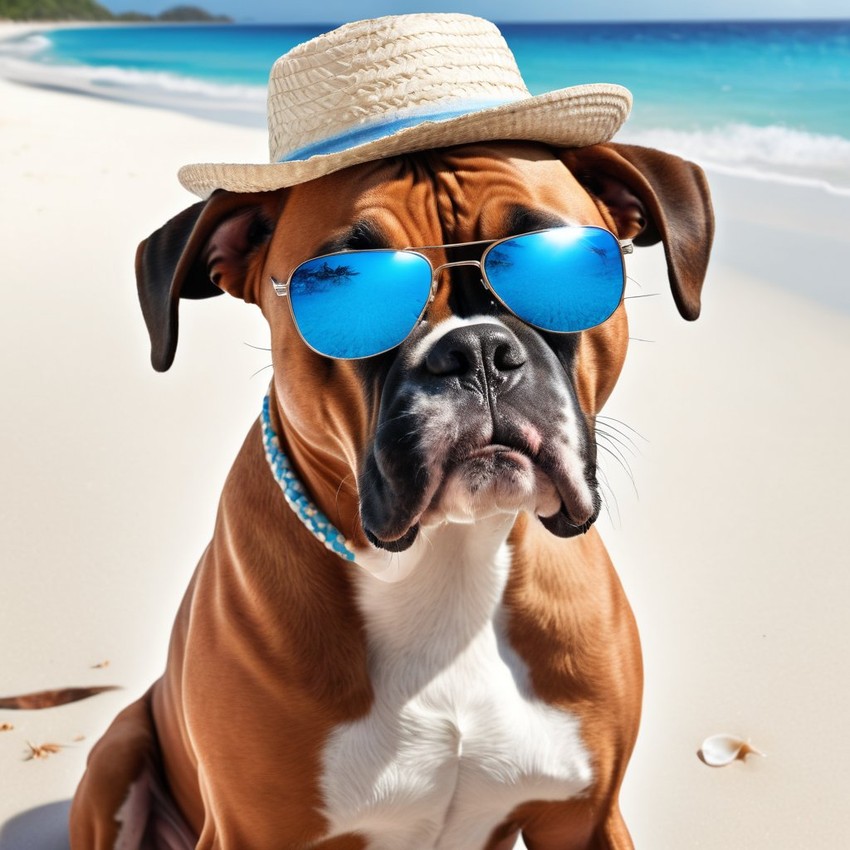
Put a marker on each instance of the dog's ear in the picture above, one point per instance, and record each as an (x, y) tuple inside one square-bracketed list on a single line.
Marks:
[(654, 196), (199, 253)]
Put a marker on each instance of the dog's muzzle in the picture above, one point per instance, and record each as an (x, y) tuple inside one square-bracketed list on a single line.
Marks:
[(478, 417)]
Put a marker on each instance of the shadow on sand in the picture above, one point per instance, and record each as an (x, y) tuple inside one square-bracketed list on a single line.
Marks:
[(41, 828)]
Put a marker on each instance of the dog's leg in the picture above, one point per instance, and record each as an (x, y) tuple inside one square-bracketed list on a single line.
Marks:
[(604, 840), (567, 826), (613, 833), (122, 802)]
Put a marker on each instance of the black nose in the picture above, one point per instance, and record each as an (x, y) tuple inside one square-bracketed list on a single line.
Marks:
[(469, 349)]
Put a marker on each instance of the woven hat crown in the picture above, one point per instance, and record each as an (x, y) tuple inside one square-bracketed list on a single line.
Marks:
[(366, 72)]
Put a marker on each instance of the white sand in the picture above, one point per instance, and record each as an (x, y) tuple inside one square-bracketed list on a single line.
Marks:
[(734, 555)]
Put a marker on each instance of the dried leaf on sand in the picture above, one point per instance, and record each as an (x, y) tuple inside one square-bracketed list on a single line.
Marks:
[(42, 751), (49, 699)]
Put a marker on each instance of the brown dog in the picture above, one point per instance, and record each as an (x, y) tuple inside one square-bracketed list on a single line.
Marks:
[(477, 673)]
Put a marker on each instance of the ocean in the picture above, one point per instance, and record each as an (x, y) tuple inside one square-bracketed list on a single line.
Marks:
[(766, 98)]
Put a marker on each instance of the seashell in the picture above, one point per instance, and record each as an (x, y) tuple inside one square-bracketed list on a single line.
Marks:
[(721, 750)]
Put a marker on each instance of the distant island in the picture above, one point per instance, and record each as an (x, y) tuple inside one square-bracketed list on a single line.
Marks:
[(89, 10)]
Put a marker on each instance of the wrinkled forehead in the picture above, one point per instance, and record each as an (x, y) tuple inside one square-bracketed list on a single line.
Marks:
[(450, 195), (506, 187)]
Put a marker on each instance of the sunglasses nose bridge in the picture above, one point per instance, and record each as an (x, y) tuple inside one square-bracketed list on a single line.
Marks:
[(448, 295), (438, 269)]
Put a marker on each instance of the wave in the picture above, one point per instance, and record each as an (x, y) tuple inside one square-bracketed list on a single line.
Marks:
[(234, 103), (772, 153), (27, 45)]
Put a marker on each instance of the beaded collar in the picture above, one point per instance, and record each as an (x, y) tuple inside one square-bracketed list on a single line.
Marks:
[(296, 495)]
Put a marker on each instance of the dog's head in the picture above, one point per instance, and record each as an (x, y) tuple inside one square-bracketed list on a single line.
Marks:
[(476, 412)]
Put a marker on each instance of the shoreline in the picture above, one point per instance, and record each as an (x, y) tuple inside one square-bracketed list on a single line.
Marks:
[(234, 105), (244, 105)]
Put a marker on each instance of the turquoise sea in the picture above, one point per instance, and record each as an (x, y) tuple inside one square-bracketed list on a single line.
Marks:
[(767, 97)]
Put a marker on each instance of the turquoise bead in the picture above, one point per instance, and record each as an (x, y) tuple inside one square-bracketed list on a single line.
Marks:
[(295, 493)]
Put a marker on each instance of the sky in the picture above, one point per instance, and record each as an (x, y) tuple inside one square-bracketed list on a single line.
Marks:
[(339, 11)]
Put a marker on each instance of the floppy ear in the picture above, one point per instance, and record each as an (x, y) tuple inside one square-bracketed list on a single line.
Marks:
[(198, 254), (654, 196)]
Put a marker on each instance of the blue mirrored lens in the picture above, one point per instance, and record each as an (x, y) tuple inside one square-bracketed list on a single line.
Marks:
[(566, 279), (361, 303)]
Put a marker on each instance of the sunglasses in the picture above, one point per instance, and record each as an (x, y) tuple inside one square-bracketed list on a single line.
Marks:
[(353, 304)]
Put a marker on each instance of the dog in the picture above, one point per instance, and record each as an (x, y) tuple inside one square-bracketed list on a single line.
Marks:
[(406, 633), (477, 674)]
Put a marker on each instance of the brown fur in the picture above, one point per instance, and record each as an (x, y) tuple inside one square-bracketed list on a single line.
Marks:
[(268, 654)]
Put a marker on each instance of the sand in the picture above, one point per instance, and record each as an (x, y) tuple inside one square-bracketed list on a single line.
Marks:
[(732, 549)]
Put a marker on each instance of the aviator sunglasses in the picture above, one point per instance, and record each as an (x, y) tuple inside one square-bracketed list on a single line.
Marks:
[(360, 303)]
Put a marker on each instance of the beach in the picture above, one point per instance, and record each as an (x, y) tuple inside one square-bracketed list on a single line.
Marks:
[(728, 533)]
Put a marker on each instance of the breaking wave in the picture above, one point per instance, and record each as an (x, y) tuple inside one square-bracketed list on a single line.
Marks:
[(773, 152), (240, 104)]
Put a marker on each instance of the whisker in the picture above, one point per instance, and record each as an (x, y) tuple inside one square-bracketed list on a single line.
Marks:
[(337, 522), (426, 537), (642, 295), (261, 369), (339, 490), (612, 508), (611, 496), (609, 428), (639, 339), (355, 515), (625, 466), (394, 419), (626, 443), (609, 419), (256, 347), (613, 447)]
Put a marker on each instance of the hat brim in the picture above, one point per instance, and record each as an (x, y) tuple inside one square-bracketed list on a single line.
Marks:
[(573, 117)]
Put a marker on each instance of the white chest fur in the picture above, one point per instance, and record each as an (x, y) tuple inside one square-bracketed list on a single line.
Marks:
[(455, 739)]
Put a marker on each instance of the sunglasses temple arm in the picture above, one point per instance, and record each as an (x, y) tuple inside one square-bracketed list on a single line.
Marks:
[(626, 246)]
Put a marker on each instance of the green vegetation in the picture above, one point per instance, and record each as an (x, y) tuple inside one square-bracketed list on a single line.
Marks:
[(54, 10), (192, 13), (89, 10)]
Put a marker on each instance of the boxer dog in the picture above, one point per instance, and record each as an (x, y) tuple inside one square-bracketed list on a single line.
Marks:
[(474, 673)]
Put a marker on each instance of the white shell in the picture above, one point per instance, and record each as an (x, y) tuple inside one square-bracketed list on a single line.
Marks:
[(721, 750)]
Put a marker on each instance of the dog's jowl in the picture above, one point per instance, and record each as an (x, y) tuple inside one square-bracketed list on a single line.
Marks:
[(406, 633)]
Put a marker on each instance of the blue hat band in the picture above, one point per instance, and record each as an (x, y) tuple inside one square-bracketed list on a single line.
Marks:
[(383, 128)]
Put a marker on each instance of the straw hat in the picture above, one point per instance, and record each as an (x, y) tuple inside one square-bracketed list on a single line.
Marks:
[(403, 83)]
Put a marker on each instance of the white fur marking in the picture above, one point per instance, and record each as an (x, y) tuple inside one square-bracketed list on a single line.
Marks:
[(455, 739)]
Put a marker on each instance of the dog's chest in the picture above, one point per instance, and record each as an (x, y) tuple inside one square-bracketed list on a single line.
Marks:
[(455, 739)]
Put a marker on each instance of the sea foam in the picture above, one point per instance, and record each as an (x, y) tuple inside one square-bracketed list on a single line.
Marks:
[(773, 152), (240, 104), (27, 45)]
